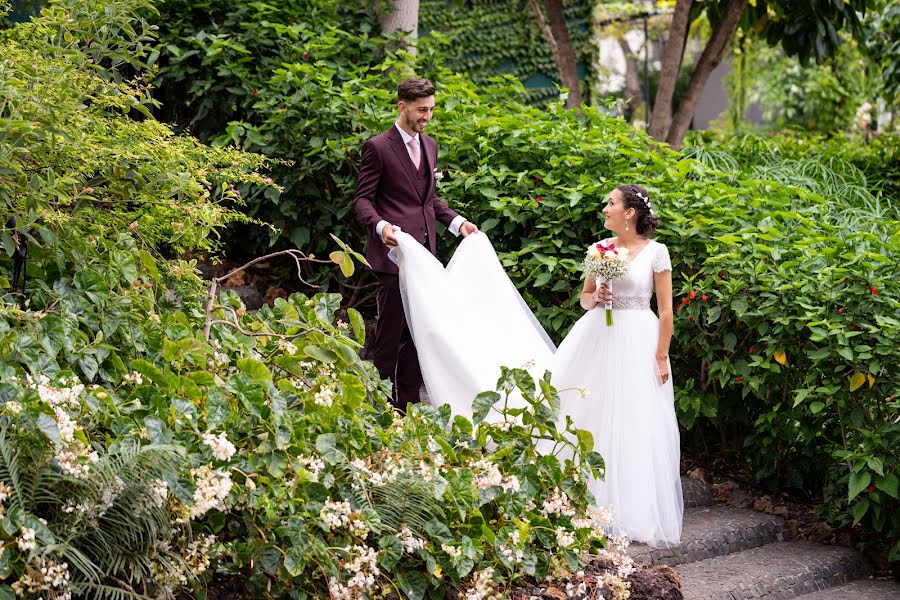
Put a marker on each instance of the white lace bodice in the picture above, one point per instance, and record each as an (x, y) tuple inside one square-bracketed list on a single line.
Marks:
[(637, 285)]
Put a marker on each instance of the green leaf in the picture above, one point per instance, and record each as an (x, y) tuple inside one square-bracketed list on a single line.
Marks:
[(320, 353), (585, 439), (412, 584), (482, 404), (888, 485), (859, 509), (391, 552), (858, 482), (327, 446), (357, 324), (49, 427), (255, 369)]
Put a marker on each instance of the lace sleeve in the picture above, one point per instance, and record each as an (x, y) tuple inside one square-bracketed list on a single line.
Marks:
[(662, 262)]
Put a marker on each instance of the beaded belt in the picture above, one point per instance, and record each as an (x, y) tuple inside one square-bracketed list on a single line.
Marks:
[(631, 303)]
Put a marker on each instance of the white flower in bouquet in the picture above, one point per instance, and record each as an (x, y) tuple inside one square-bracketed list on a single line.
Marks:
[(604, 262)]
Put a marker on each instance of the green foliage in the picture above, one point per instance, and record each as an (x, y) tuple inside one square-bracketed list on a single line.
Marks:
[(74, 160), (486, 38)]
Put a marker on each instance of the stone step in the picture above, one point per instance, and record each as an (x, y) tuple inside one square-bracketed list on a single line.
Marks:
[(714, 531), (861, 589), (695, 493), (779, 570)]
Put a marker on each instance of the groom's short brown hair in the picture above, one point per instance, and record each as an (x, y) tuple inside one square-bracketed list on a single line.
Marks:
[(414, 88)]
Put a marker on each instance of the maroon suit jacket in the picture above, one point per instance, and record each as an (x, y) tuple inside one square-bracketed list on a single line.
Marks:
[(386, 190)]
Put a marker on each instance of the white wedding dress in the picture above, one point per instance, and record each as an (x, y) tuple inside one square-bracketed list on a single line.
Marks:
[(468, 320)]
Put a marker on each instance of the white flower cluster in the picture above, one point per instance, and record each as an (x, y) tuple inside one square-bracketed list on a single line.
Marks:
[(218, 361), (196, 561), (13, 407), (222, 449), (484, 586), (47, 577), (362, 563), (135, 378), (324, 397), (72, 455), (159, 492), (390, 471), (359, 528), (335, 514), (410, 542), (213, 487), (487, 474), (287, 347), (313, 464), (616, 551), (564, 538), (26, 541), (513, 553), (452, 551), (597, 520), (5, 493), (558, 504)]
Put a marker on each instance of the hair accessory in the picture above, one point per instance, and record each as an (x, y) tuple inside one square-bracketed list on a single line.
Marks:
[(646, 200)]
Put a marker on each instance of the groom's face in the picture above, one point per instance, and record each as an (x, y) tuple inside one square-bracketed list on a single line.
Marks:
[(415, 115)]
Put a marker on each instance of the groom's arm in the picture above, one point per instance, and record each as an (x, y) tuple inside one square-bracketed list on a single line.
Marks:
[(367, 187)]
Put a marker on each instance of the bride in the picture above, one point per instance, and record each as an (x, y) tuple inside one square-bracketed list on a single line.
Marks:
[(468, 319)]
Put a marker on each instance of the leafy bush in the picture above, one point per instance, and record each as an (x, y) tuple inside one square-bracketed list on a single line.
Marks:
[(139, 455)]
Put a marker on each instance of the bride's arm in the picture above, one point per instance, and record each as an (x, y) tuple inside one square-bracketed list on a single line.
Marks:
[(663, 283), (589, 297)]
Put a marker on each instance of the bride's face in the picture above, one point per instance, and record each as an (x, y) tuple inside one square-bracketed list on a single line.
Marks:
[(614, 211)]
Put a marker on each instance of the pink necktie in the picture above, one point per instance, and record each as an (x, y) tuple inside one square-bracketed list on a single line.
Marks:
[(414, 151)]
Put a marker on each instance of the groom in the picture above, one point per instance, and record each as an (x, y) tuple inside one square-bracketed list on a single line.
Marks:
[(395, 192)]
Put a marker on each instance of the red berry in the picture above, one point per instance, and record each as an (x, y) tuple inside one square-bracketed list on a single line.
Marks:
[(254, 92), (871, 488), (281, 108), (841, 311), (685, 301), (703, 297), (679, 307), (305, 56), (693, 294), (752, 348), (538, 180), (853, 326), (874, 291), (539, 199), (738, 379)]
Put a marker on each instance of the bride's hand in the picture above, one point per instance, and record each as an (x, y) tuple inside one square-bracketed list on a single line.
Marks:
[(662, 366), (603, 295)]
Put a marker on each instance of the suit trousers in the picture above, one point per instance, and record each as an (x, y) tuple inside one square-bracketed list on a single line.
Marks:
[(393, 352)]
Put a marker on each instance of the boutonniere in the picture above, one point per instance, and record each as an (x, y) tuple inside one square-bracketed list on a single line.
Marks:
[(438, 175)]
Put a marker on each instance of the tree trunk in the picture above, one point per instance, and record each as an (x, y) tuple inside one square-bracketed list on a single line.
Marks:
[(557, 36), (403, 15), (633, 93), (712, 55), (673, 53)]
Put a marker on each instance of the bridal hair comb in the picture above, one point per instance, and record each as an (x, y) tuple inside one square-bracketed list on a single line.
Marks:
[(646, 200)]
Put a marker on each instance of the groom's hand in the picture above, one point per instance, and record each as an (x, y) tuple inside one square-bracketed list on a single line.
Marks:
[(467, 228), (389, 235)]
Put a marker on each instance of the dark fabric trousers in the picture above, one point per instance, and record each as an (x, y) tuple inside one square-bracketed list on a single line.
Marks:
[(393, 352)]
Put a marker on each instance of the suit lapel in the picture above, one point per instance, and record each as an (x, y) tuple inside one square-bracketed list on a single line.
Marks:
[(399, 149)]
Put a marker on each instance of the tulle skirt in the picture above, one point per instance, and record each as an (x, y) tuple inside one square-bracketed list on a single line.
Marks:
[(631, 415)]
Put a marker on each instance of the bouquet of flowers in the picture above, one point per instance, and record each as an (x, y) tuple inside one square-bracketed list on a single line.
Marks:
[(604, 262)]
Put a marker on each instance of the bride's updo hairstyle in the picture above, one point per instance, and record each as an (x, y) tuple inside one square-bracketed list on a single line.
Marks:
[(636, 197)]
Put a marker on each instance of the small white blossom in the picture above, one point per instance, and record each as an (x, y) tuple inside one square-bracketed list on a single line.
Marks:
[(452, 551), (212, 488), (26, 541), (564, 538), (410, 542), (135, 378), (335, 514), (13, 407), (222, 449)]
